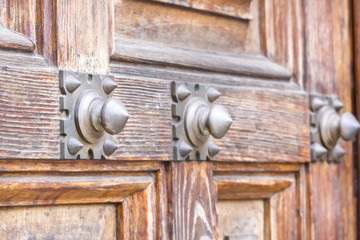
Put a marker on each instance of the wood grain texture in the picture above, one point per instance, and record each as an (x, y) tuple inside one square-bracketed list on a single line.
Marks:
[(285, 209), (282, 34), (281, 215), (19, 16), (29, 107), (39, 190), (241, 219), (137, 188), (191, 200), (83, 35), (137, 216), (150, 53), (356, 54), (162, 23), (147, 135), (237, 9), (12, 40), (265, 125), (329, 71), (93, 222), (250, 186)]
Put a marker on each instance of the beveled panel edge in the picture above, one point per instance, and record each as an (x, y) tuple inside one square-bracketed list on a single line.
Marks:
[(212, 61)]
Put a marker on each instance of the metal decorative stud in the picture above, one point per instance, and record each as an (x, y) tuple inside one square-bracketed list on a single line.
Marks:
[(90, 115), (328, 127), (197, 121)]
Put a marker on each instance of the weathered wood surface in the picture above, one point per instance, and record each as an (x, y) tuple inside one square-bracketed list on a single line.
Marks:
[(137, 188), (281, 216), (138, 217), (241, 219), (356, 32), (261, 127), (282, 34), (250, 186), (12, 40), (92, 222), (232, 8), (83, 35), (163, 23), (329, 71), (151, 53), (38, 190), (29, 107), (19, 16), (285, 209), (191, 200)]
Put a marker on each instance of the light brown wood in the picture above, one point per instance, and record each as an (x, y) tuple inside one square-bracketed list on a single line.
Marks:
[(230, 8), (241, 219), (164, 23), (191, 200), (137, 217), (39, 190), (285, 208), (356, 54), (85, 44), (250, 186), (282, 34), (19, 16), (93, 222), (329, 71)]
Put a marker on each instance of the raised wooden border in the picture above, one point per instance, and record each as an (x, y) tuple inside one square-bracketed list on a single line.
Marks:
[(13, 40), (283, 187), (152, 53), (138, 189)]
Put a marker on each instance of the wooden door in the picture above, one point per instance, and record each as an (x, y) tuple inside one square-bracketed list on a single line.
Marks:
[(265, 57)]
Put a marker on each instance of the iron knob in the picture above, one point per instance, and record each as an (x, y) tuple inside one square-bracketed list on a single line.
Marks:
[(333, 126), (113, 116), (219, 121)]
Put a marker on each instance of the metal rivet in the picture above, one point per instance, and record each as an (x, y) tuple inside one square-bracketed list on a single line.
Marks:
[(349, 126), (213, 94), (317, 103), (109, 85), (109, 147), (219, 121), (338, 152), (114, 116), (74, 145), (337, 104), (183, 92), (184, 149), (213, 149), (72, 83), (318, 150)]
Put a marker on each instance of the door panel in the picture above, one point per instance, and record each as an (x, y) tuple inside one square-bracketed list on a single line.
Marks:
[(241, 219), (59, 222), (264, 58)]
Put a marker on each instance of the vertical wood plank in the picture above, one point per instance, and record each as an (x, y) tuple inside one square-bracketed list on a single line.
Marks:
[(192, 212), (356, 30), (328, 71), (83, 33), (136, 216), (19, 15)]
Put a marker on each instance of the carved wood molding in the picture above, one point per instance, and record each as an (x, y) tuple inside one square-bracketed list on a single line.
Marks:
[(282, 187), (157, 54), (137, 190), (13, 40)]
